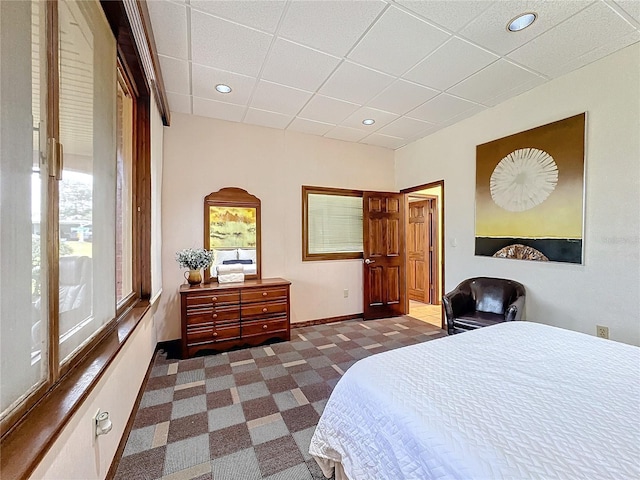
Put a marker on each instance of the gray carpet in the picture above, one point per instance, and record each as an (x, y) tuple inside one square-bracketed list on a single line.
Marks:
[(249, 414)]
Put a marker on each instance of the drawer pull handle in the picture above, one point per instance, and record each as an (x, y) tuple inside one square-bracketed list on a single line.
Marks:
[(214, 299), (215, 315), (215, 334), (264, 310), (264, 327), (264, 294)]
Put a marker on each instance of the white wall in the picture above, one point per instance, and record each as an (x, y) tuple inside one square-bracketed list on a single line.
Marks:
[(202, 155), (156, 200), (606, 289)]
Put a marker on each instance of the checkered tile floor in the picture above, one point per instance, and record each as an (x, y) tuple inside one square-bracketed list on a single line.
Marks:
[(250, 414)]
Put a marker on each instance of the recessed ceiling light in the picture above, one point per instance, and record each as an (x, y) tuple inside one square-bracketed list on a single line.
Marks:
[(368, 121), (222, 88), (521, 22)]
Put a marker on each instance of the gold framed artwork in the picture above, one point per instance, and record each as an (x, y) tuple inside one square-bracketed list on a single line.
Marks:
[(530, 194)]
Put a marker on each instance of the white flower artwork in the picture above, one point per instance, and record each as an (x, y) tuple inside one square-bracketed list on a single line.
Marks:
[(523, 179)]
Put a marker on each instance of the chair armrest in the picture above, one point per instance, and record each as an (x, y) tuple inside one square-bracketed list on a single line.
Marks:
[(456, 303), (515, 309)]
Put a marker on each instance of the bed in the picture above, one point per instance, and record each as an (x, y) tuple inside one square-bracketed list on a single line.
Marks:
[(517, 400)]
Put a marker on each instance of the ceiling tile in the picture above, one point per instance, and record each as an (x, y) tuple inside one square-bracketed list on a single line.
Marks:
[(441, 108), (227, 46), (514, 91), (386, 141), (443, 68), (355, 119), (396, 42), (631, 7), (489, 30), (457, 118), (257, 14), (327, 109), (405, 127), (221, 110), (179, 103), (278, 98), (492, 81), (451, 15), (175, 74), (331, 26), (267, 119), (297, 66), (309, 126), (588, 30), (402, 96), (354, 83), (169, 22), (205, 80), (598, 53), (346, 133)]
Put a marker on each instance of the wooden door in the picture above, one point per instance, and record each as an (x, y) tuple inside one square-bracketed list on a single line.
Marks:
[(384, 262), (418, 271), (433, 260)]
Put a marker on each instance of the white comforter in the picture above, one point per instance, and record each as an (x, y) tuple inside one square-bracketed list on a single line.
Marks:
[(518, 400)]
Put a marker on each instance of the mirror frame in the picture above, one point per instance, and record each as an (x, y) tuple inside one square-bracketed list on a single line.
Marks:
[(232, 197)]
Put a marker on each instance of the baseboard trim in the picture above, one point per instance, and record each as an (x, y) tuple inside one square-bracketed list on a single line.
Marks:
[(321, 321)]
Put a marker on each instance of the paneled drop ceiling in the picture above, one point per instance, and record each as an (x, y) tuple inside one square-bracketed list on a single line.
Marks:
[(322, 67)]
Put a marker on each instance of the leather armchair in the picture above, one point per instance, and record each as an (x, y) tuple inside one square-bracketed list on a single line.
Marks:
[(481, 302)]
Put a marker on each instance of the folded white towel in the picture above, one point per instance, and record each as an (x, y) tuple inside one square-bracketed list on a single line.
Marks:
[(230, 268), (231, 277)]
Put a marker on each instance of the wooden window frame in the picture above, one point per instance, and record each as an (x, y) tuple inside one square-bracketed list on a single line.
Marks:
[(306, 191), (29, 431)]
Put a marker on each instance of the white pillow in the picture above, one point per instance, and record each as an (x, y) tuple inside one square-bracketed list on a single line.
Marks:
[(222, 255), (247, 254)]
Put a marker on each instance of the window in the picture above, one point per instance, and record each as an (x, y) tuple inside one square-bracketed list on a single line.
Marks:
[(74, 156), (331, 223)]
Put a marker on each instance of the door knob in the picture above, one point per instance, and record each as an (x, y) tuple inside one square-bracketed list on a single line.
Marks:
[(367, 261)]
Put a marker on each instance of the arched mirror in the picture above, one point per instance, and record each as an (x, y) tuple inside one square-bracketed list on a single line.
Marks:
[(232, 231)]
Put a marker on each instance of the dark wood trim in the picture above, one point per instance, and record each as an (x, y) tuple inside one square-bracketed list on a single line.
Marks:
[(441, 237), (322, 321), (142, 199), (158, 85), (310, 257), (129, 426), (130, 23), (26, 444)]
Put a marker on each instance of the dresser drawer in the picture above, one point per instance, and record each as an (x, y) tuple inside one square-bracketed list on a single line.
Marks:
[(273, 325), (212, 299), (210, 334), (264, 308), (224, 314), (263, 294)]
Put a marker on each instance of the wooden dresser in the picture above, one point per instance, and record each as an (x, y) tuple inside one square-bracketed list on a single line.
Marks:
[(221, 316)]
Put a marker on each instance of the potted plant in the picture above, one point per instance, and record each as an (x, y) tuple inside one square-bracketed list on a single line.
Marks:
[(195, 259)]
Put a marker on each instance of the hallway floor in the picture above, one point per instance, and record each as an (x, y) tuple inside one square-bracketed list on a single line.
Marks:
[(427, 313)]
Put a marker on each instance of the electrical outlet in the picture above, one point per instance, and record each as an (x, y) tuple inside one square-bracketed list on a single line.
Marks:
[(346, 292), (602, 332)]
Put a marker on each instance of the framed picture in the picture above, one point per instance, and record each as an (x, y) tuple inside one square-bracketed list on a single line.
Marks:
[(530, 194)]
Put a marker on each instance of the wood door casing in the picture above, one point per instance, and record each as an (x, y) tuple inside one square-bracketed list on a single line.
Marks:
[(418, 271), (384, 277)]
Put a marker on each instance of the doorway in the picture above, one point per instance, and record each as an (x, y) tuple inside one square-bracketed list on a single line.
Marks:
[(424, 240)]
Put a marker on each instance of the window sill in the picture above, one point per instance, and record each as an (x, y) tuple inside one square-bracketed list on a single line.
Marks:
[(26, 444)]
